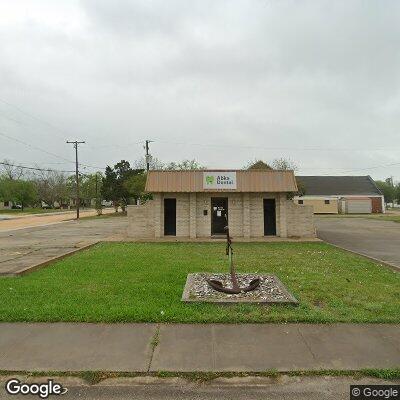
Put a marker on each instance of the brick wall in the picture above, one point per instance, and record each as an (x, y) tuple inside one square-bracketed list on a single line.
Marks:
[(203, 222), (245, 210), (300, 220), (257, 213), (376, 203), (235, 214), (182, 212), (141, 220)]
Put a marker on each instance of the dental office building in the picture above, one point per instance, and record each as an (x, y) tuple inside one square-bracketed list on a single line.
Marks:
[(200, 203)]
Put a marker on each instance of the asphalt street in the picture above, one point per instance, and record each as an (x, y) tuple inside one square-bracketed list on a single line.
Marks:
[(373, 238), (251, 388)]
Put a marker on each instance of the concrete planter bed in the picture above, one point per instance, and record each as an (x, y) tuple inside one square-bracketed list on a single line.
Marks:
[(270, 291)]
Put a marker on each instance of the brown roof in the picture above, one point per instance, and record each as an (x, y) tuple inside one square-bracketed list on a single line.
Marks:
[(246, 181)]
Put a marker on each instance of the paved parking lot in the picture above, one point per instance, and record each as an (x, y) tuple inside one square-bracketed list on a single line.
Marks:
[(373, 238), (23, 249), (12, 221)]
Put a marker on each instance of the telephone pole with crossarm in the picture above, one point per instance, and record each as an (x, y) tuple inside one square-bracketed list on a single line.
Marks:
[(76, 143)]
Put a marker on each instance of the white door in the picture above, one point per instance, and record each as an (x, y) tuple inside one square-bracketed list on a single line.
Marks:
[(358, 206)]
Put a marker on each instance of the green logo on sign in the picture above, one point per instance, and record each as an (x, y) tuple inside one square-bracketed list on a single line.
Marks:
[(209, 180)]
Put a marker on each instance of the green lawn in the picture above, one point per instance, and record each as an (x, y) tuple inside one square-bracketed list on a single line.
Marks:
[(394, 218), (380, 217), (144, 281), (28, 211)]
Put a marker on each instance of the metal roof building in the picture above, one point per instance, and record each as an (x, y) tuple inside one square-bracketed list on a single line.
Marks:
[(201, 203), (341, 194), (246, 181)]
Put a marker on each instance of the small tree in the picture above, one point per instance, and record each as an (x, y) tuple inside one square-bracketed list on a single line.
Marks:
[(115, 187), (397, 193), (185, 165), (141, 164), (257, 164), (387, 189), (19, 192), (284, 164), (135, 186), (54, 186), (109, 188), (11, 171), (90, 187)]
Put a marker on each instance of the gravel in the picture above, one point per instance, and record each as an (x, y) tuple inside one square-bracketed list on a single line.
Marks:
[(271, 289)]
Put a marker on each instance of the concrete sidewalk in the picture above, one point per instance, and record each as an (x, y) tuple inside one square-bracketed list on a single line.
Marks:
[(199, 347)]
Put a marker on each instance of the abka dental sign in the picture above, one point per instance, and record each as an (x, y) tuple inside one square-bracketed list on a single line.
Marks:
[(219, 180)]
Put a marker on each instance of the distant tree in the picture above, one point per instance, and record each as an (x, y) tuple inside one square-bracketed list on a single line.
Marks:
[(11, 171), (301, 189), (388, 190), (155, 163), (124, 172), (284, 164), (4, 188), (109, 188), (277, 163), (135, 186), (397, 193), (19, 191), (114, 186), (54, 186), (257, 164), (90, 187), (184, 165)]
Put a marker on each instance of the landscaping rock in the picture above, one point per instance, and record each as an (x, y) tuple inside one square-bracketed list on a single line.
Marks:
[(271, 289)]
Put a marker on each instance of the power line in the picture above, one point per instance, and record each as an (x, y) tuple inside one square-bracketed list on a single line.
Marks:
[(34, 168), (47, 152), (121, 146), (274, 148), (34, 147), (35, 118)]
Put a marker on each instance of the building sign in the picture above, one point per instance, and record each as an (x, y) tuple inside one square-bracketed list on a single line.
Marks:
[(219, 180)]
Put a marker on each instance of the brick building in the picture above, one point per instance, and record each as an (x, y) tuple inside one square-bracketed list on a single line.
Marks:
[(199, 204)]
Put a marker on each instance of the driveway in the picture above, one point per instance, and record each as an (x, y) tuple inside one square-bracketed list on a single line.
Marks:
[(14, 221), (22, 250), (373, 238)]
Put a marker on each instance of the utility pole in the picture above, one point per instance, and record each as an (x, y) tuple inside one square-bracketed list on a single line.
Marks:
[(78, 200), (148, 156), (96, 185)]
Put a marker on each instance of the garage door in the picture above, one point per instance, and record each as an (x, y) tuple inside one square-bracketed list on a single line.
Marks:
[(358, 206)]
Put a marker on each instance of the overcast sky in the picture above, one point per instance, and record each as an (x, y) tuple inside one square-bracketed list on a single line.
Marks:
[(219, 81)]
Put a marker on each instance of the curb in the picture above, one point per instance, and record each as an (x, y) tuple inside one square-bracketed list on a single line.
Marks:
[(393, 267), (42, 264)]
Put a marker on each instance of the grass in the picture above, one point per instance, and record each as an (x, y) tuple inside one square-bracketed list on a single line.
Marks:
[(143, 282), (108, 215), (94, 377), (379, 217), (30, 211)]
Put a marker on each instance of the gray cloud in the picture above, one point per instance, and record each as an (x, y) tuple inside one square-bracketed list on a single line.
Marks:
[(266, 78)]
